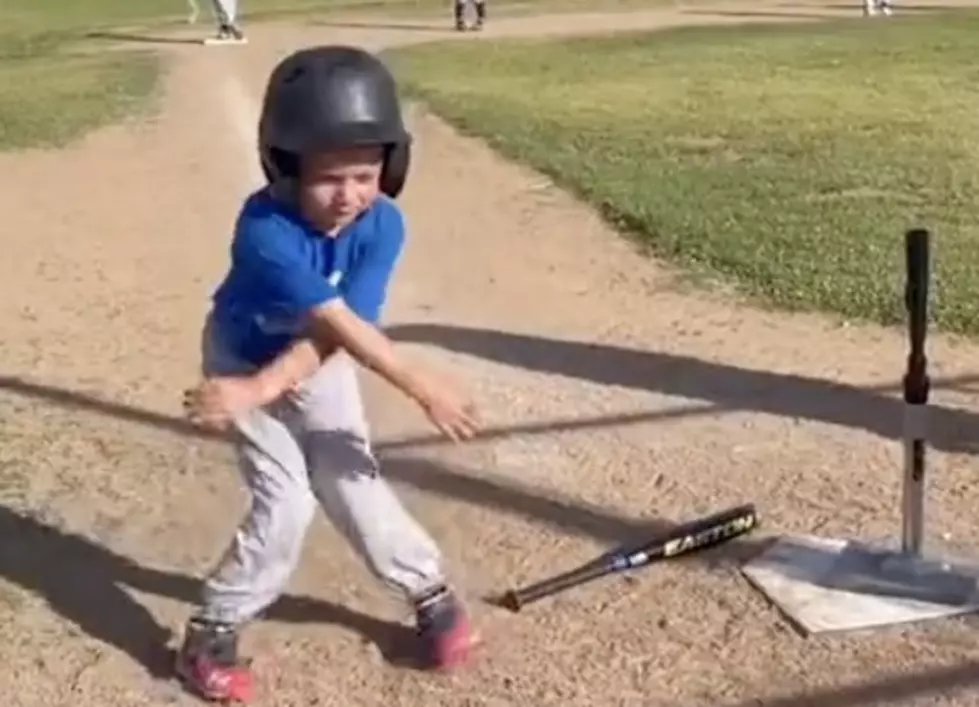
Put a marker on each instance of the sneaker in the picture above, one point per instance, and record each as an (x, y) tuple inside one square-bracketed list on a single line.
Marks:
[(444, 629), (209, 666)]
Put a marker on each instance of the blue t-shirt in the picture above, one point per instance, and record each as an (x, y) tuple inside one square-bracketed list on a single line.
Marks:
[(282, 267)]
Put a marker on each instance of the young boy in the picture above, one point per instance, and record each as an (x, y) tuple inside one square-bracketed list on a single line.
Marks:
[(311, 258)]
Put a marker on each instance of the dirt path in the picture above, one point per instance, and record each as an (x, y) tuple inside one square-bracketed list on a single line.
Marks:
[(615, 402)]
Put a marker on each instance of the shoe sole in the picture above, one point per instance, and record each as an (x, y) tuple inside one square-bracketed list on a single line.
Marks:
[(182, 672), (461, 655)]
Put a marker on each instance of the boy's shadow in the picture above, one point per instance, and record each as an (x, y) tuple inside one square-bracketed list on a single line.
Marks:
[(86, 584)]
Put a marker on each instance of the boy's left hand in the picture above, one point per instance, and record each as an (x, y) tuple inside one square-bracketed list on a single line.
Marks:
[(215, 402)]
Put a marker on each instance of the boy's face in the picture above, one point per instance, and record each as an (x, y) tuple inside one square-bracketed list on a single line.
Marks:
[(337, 186)]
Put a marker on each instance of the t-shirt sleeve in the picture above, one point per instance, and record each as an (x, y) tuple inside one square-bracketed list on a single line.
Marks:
[(367, 284), (270, 251)]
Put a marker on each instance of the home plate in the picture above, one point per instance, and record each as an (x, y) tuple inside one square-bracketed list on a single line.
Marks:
[(825, 584)]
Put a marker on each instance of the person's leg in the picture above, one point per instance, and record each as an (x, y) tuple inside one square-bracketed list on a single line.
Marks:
[(263, 552), (480, 14), (226, 12), (359, 502), (460, 14), (872, 8)]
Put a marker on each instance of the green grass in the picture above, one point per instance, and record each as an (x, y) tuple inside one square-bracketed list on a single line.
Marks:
[(786, 161), (50, 101), (50, 95), (52, 92), (54, 88), (82, 15)]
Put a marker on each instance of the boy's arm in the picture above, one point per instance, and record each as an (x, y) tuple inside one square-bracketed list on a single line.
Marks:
[(365, 293), (335, 324), (331, 326), (297, 363)]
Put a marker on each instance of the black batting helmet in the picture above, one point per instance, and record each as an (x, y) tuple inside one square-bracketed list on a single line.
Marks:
[(324, 98)]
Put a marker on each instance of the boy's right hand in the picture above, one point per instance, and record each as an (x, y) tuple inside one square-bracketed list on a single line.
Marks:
[(454, 415)]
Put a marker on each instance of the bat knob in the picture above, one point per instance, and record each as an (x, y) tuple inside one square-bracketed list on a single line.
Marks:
[(510, 601)]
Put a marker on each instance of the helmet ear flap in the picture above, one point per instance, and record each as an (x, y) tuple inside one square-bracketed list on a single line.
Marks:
[(279, 164), (395, 171)]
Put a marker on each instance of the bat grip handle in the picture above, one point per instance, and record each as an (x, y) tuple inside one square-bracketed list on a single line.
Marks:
[(515, 599)]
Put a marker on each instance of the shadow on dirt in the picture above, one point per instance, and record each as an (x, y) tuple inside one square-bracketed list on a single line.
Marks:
[(571, 516), (889, 690), (727, 387), (438, 27), (87, 583), (82, 401), (141, 38), (476, 487)]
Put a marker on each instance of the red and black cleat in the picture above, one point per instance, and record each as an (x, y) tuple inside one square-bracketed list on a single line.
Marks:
[(444, 629), (209, 666)]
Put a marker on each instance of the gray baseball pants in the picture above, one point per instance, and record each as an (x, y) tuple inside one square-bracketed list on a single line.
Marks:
[(226, 11), (310, 448)]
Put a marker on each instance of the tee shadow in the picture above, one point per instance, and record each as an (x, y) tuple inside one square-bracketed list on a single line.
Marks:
[(728, 387)]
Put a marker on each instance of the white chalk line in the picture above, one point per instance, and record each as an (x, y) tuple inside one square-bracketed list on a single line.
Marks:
[(243, 113)]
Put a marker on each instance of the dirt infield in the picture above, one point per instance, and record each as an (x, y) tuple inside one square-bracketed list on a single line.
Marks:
[(616, 403)]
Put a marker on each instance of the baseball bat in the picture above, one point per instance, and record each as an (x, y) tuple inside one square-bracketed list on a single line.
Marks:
[(687, 538)]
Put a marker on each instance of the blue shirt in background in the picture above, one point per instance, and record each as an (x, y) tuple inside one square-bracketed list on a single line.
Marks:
[(281, 267)]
